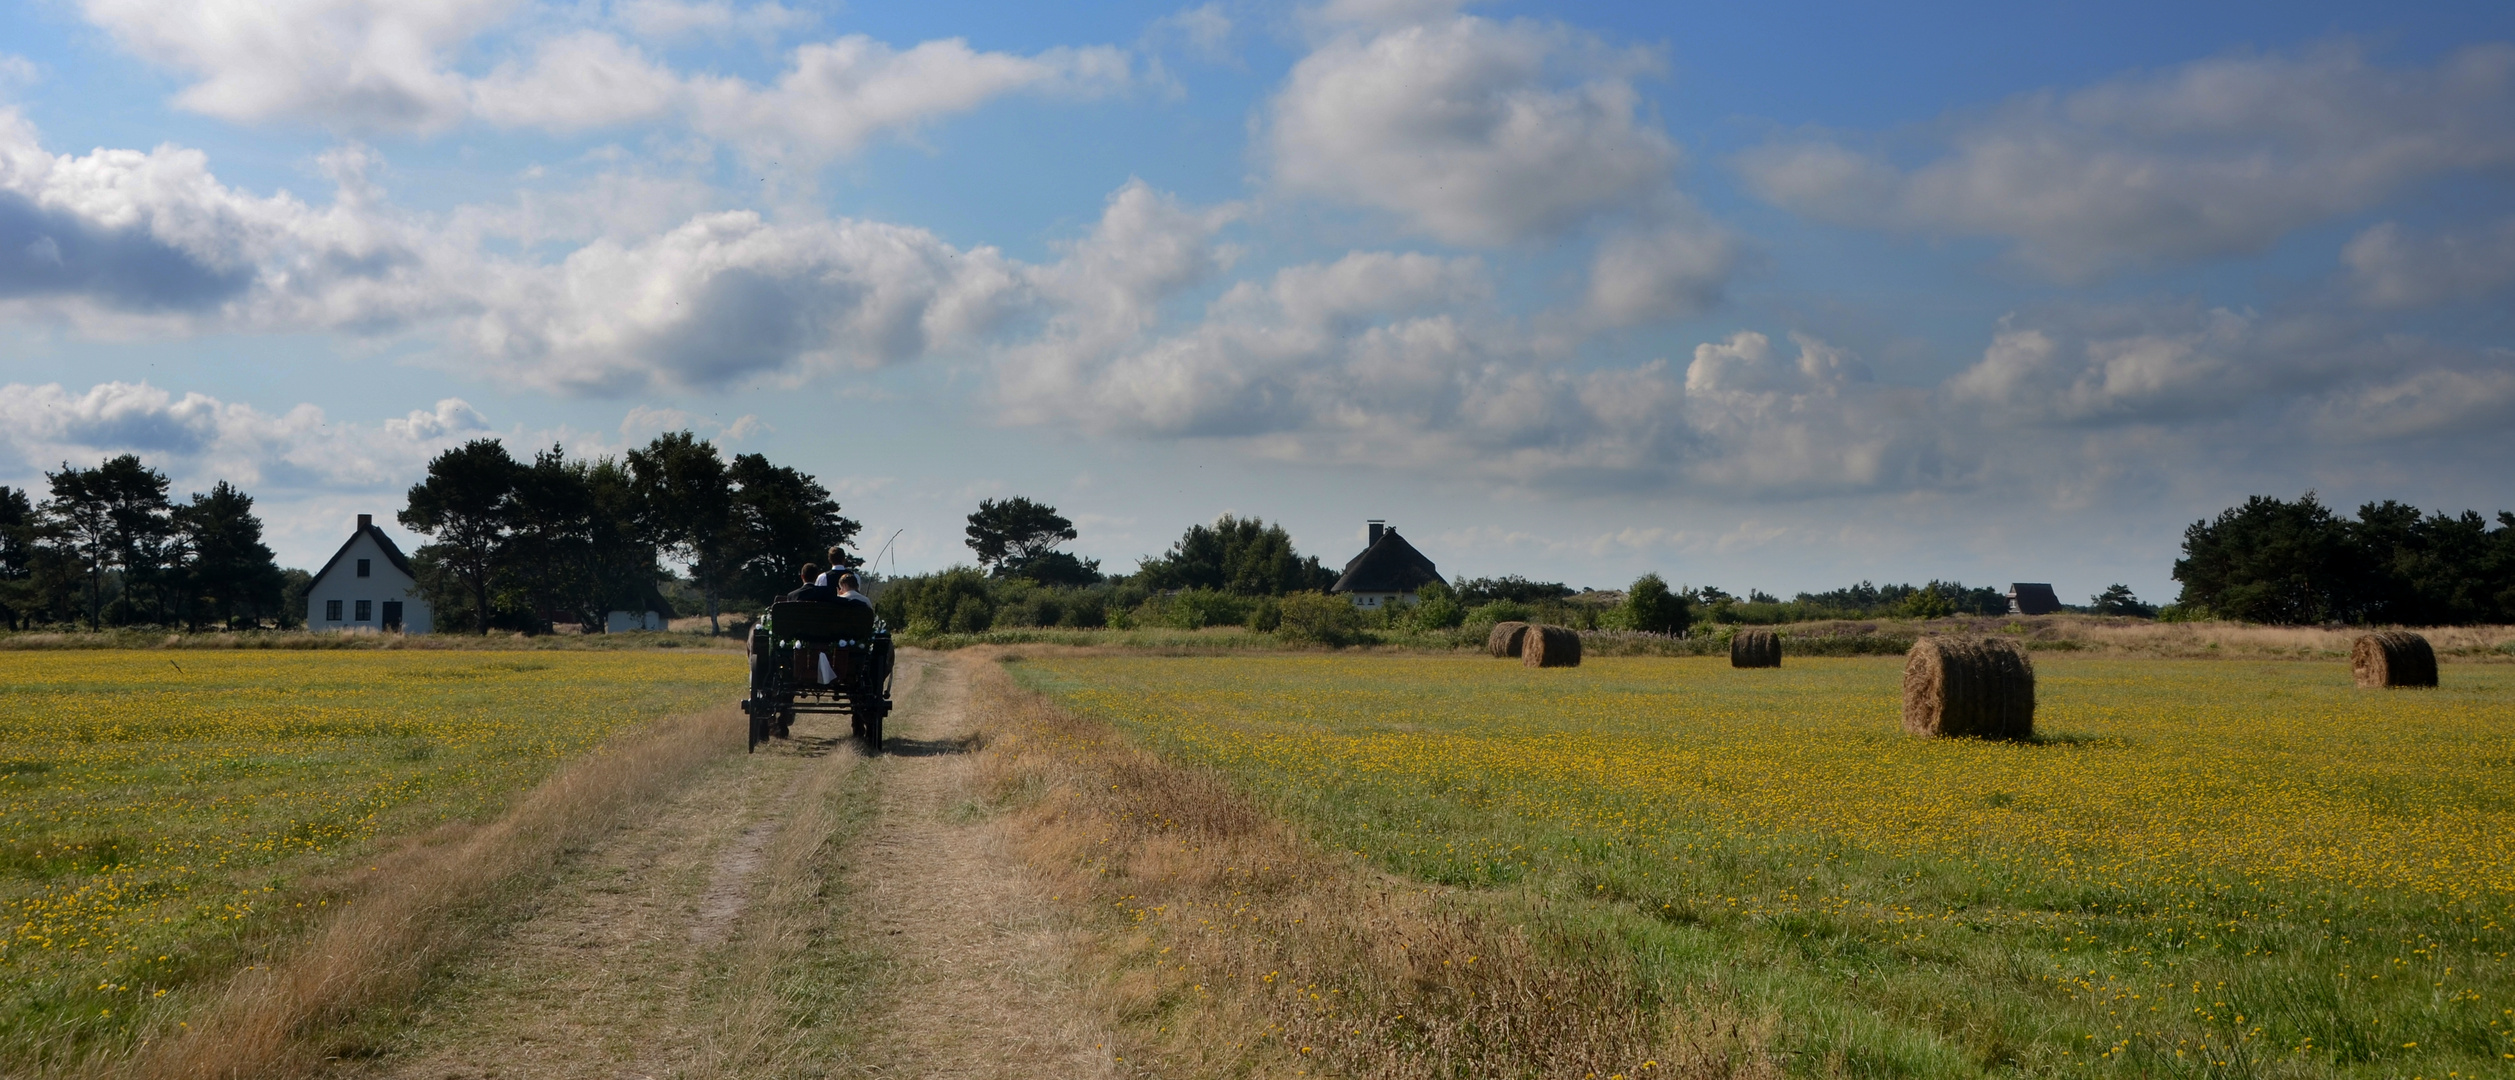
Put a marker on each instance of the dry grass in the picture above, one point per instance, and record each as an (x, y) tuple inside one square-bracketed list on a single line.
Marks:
[(407, 916), (1550, 646), (1503, 641), (2391, 658), (1969, 687), (1231, 946)]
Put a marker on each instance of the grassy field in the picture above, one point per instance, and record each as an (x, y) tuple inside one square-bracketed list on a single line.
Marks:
[(164, 815), (2205, 868)]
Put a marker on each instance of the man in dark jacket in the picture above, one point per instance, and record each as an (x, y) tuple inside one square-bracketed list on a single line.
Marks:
[(811, 593)]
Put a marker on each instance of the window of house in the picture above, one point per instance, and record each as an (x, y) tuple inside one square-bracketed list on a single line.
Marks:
[(331, 611), (364, 567), (366, 610)]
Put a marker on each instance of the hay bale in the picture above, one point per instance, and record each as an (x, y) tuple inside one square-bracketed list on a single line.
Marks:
[(1504, 641), (1550, 646), (2389, 658), (1755, 648), (1980, 688)]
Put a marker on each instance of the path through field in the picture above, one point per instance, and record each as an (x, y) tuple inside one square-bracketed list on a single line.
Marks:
[(803, 911)]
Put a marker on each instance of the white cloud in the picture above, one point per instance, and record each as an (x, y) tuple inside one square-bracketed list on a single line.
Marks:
[(2425, 404), (582, 80), (2211, 159), (1640, 276), (1204, 29), (389, 66), (1473, 131), (357, 65), (728, 296), (199, 436), (2149, 363), (671, 20), (2389, 269), (839, 94)]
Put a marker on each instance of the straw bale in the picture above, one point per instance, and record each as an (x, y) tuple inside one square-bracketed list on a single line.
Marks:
[(1504, 641), (1550, 646), (1755, 648), (2391, 658), (1969, 687)]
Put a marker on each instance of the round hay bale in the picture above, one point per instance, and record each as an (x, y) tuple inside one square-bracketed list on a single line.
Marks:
[(1550, 646), (1981, 688), (1504, 641), (2389, 658), (1755, 648)]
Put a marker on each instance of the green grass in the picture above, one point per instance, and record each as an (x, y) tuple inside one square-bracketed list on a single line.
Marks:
[(2204, 868), (165, 816)]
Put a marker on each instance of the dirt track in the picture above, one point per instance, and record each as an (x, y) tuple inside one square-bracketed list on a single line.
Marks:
[(803, 911)]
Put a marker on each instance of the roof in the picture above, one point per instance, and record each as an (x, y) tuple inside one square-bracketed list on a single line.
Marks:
[(2034, 598), (392, 554), (1391, 565)]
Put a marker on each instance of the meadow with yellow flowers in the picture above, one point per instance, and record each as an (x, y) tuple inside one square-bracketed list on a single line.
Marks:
[(164, 816), (2201, 868)]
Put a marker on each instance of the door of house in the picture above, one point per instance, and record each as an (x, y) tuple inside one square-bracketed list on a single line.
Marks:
[(392, 614)]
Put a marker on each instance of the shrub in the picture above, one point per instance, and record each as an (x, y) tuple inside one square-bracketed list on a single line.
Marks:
[(1651, 607), (1436, 608), (1318, 617), (1500, 611)]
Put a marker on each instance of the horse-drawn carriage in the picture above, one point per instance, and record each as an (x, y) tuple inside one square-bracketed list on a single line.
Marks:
[(819, 658)]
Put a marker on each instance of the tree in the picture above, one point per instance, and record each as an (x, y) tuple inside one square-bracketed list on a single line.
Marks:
[(468, 503), (230, 570), (780, 519), (1477, 592), (2118, 600), (686, 496), (1243, 556), (2269, 561), (1651, 606), (19, 528), (112, 517), (1008, 536)]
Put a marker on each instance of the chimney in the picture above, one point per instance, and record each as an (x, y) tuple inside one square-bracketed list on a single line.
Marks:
[(366, 522), (1377, 527)]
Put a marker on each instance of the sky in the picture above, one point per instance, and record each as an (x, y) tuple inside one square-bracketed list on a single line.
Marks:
[(1779, 296)]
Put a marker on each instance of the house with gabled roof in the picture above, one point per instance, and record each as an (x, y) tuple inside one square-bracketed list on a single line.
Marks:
[(1389, 571), (368, 585)]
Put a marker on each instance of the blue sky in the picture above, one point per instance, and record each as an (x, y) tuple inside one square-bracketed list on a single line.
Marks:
[(1782, 297)]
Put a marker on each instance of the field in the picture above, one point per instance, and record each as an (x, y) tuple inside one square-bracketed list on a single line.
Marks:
[(163, 815), (2203, 868)]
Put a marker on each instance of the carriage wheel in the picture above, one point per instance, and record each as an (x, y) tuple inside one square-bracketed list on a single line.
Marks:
[(873, 728), (755, 710)]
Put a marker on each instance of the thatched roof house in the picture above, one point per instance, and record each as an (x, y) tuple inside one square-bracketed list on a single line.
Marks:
[(2033, 598), (1389, 571), (368, 585)]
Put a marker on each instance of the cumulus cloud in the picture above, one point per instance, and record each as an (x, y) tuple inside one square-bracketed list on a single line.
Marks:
[(2159, 362), (2215, 158), (729, 295), (671, 20), (2391, 269), (839, 94), (357, 65), (1472, 131), (120, 239), (1640, 276), (362, 66), (198, 435), (2425, 404)]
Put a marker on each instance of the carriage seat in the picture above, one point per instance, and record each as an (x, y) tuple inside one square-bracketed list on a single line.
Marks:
[(846, 620)]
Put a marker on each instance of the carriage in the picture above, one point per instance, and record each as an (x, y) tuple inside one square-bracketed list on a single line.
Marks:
[(819, 658)]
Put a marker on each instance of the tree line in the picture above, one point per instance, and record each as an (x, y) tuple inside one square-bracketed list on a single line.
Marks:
[(526, 544), (110, 546), (2274, 561)]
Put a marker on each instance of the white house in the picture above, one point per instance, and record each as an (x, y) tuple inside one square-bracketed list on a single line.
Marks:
[(367, 585)]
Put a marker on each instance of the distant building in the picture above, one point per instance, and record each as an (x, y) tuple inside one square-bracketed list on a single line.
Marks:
[(646, 610), (367, 585), (1387, 572), (2033, 598)]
